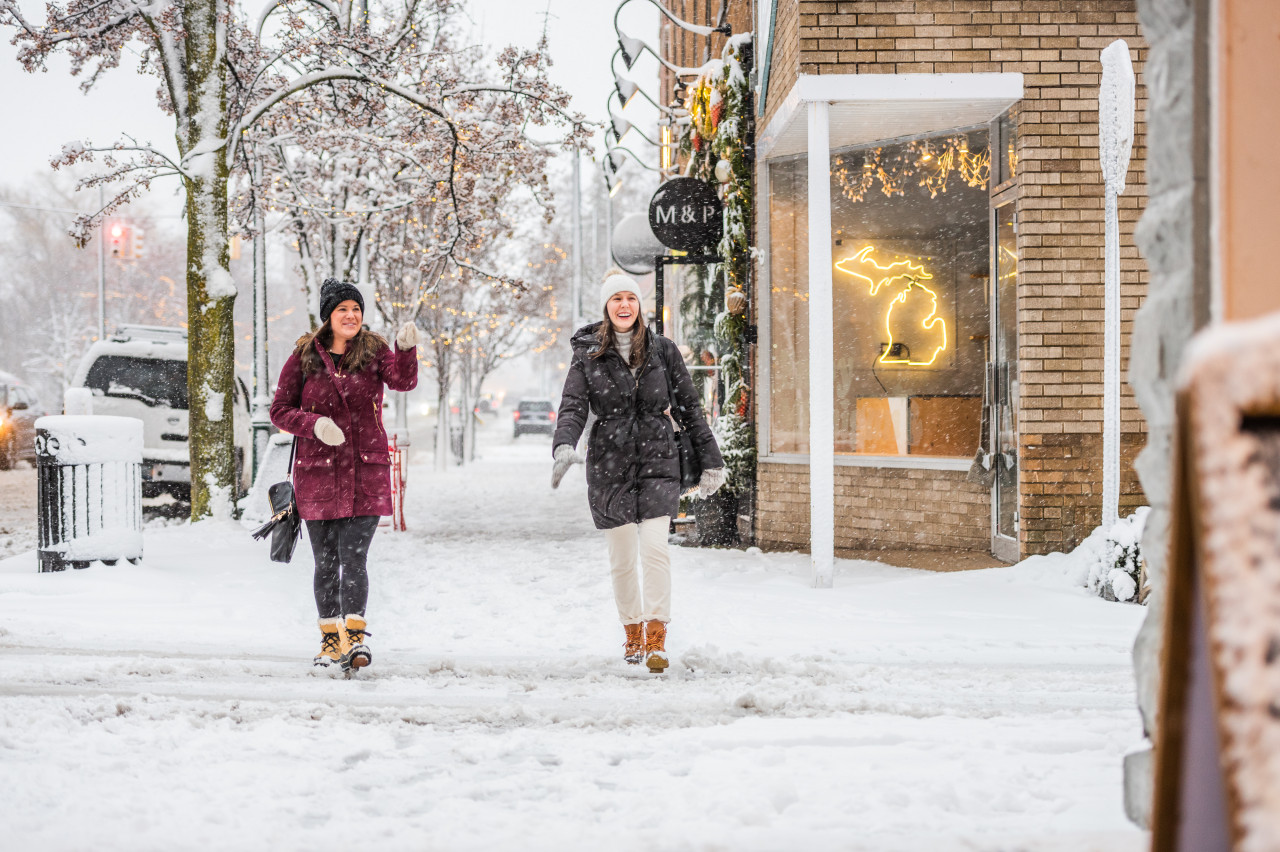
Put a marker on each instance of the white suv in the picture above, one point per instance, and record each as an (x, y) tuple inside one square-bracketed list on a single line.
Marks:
[(141, 371)]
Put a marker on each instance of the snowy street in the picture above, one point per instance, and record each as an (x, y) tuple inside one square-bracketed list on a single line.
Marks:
[(173, 705)]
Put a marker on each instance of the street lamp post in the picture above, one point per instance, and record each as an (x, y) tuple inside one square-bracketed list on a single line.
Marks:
[(259, 416)]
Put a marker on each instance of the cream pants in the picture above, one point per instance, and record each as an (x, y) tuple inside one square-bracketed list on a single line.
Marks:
[(650, 599)]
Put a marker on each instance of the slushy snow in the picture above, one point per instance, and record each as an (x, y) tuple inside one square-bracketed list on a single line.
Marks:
[(173, 705)]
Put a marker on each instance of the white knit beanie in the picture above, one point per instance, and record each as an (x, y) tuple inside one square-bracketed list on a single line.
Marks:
[(618, 283)]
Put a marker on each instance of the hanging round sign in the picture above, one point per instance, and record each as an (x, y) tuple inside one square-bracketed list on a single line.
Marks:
[(686, 214)]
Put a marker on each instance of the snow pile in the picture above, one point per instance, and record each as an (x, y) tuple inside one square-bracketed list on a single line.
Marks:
[(1114, 558), (77, 401)]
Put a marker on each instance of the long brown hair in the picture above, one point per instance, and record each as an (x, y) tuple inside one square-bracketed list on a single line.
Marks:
[(361, 349), (639, 339)]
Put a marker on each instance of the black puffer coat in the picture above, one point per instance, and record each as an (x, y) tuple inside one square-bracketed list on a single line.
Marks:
[(633, 469)]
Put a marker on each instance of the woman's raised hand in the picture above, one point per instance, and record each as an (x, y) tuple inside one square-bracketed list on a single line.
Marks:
[(329, 432), (407, 337)]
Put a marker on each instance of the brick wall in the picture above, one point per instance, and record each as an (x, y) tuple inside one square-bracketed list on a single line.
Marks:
[(876, 508), (786, 58), (1055, 44), (689, 50)]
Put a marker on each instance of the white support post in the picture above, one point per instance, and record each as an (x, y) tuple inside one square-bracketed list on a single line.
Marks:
[(822, 460), (1115, 144), (1111, 364)]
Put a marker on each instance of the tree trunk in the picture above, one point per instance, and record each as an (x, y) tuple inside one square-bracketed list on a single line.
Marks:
[(471, 426), (442, 426), (466, 413), (210, 289)]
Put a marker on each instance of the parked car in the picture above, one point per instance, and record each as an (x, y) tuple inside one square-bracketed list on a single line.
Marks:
[(141, 371), (19, 410), (534, 416)]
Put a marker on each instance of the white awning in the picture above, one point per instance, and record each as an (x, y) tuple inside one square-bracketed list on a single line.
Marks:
[(869, 108)]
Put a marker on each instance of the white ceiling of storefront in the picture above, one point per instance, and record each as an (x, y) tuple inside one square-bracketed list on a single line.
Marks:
[(872, 107)]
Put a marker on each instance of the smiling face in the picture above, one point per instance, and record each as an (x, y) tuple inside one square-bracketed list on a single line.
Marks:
[(623, 309), (345, 322)]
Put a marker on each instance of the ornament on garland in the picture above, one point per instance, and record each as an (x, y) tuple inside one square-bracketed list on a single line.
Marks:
[(724, 171), (735, 301)]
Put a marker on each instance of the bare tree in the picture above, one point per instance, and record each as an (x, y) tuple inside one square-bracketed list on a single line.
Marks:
[(50, 293), (219, 80)]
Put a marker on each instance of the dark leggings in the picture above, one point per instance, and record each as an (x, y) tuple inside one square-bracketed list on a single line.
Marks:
[(341, 548)]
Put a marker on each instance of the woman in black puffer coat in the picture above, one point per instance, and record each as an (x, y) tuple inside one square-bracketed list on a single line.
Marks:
[(620, 373)]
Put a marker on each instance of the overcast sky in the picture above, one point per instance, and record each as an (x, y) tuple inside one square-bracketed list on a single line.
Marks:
[(46, 110)]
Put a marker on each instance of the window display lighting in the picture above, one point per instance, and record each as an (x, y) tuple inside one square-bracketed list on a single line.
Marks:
[(895, 275), (929, 163)]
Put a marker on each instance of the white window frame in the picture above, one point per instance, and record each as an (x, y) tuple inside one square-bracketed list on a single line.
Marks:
[(764, 369)]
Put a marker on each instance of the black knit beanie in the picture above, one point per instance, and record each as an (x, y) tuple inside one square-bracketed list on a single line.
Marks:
[(334, 292)]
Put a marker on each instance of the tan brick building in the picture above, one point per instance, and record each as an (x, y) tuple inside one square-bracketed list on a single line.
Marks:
[(1013, 264), (963, 212)]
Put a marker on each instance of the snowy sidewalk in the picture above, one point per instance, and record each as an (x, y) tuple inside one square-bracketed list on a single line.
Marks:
[(171, 705)]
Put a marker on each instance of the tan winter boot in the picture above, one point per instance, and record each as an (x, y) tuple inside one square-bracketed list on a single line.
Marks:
[(330, 642), (357, 655), (633, 648), (655, 652)]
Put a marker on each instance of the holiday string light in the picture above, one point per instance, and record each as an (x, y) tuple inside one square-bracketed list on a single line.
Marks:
[(929, 163)]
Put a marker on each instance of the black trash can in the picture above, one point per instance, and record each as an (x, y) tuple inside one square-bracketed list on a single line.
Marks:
[(89, 497)]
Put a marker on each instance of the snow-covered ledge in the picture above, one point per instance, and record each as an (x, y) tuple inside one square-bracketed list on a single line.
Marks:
[(872, 107)]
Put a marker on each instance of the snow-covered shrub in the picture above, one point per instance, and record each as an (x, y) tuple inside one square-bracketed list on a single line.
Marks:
[(1115, 558)]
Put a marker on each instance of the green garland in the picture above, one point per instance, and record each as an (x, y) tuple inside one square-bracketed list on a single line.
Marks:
[(718, 104)]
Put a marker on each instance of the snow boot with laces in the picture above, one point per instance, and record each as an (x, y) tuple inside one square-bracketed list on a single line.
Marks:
[(357, 654), (633, 648), (330, 642), (655, 652)]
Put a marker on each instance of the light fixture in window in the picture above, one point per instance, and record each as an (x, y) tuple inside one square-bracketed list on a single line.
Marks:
[(905, 277)]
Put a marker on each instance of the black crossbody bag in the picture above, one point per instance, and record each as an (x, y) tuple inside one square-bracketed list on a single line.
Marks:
[(285, 527), (690, 464)]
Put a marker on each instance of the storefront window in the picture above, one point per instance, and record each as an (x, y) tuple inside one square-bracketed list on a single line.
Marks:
[(910, 253), (789, 307)]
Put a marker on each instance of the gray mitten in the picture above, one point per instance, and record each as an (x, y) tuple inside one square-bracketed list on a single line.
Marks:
[(712, 479), (566, 458)]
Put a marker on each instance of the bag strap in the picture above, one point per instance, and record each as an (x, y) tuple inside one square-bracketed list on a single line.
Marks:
[(671, 390), (293, 451)]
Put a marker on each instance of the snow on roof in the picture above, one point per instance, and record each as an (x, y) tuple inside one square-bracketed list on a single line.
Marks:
[(168, 349)]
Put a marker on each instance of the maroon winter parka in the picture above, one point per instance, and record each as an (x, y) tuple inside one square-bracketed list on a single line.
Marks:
[(353, 478)]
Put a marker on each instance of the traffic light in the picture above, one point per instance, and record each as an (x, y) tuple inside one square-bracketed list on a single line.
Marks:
[(138, 234), (120, 240)]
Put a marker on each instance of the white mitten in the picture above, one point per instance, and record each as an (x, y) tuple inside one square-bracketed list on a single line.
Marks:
[(329, 432), (407, 337), (712, 479), (566, 458)]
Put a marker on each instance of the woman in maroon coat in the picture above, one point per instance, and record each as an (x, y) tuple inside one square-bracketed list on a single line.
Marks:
[(330, 398)]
